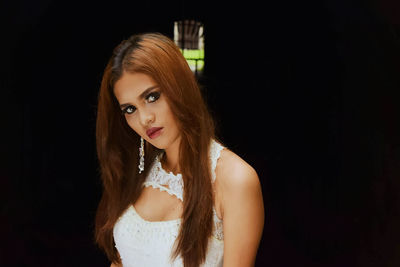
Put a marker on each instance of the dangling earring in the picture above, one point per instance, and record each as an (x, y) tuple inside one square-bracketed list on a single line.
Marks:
[(141, 155)]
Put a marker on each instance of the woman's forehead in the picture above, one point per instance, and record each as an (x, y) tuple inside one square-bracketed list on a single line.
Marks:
[(132, 85)]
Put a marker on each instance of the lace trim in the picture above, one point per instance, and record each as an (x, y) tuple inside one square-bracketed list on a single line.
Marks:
[(157, 224), (162, 188), (218, 232), (215, 152), (158, 178)]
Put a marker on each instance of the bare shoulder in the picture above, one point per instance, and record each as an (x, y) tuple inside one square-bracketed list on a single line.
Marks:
[(240, 200), (233, 171), (237, 182)]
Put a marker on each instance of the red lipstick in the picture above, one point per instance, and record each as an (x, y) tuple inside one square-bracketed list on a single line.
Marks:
[(154, 132)]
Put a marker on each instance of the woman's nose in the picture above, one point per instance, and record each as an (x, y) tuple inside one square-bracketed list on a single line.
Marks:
[(146, 117)]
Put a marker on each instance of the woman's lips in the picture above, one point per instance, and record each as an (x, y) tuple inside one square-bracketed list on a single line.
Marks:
[(154, 132)]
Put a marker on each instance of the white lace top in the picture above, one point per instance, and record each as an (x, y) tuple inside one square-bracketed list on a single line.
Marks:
[(143, 243)]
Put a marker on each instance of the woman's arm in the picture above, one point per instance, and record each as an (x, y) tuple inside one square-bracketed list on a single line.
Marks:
[(242, 211)]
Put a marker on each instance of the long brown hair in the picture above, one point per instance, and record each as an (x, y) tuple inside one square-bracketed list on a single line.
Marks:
[(156, 55)]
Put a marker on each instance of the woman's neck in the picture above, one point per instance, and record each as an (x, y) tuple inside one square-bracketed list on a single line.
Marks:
[(170, 160)]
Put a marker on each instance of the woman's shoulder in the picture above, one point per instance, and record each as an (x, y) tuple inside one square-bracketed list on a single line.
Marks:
[(233, 171)]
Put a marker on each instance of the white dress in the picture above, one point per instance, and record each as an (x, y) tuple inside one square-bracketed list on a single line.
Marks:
[(143, 243)]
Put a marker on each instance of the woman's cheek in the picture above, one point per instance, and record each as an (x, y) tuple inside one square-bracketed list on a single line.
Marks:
[(131, 122)]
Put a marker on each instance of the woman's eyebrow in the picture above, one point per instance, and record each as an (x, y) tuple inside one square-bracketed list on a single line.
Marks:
[(141, 96)]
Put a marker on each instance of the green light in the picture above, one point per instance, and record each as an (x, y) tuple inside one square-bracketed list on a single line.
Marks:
[(192, 64), (193, 53)]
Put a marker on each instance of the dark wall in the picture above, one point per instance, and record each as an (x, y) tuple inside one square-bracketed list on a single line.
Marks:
[(305, 91)]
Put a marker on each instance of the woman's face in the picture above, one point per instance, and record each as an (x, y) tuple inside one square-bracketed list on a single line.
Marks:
[(146, 109)]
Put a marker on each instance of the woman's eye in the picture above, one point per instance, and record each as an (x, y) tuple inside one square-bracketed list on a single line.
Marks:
[(152, 97), (129, 110)]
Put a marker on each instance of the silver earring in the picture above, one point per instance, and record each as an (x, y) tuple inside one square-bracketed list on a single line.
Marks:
[(141, 155)]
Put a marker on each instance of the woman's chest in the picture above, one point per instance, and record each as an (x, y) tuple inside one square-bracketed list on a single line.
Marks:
[(154, 204)]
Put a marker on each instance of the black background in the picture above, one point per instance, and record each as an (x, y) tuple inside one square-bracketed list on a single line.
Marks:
[(305, 91)]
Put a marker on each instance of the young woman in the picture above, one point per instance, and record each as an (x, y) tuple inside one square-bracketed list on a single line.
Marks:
[(173, 195)]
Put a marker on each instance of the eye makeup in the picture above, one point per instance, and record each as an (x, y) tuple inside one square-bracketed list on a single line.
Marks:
[(128, 110), (150, 98), (153, 96)]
